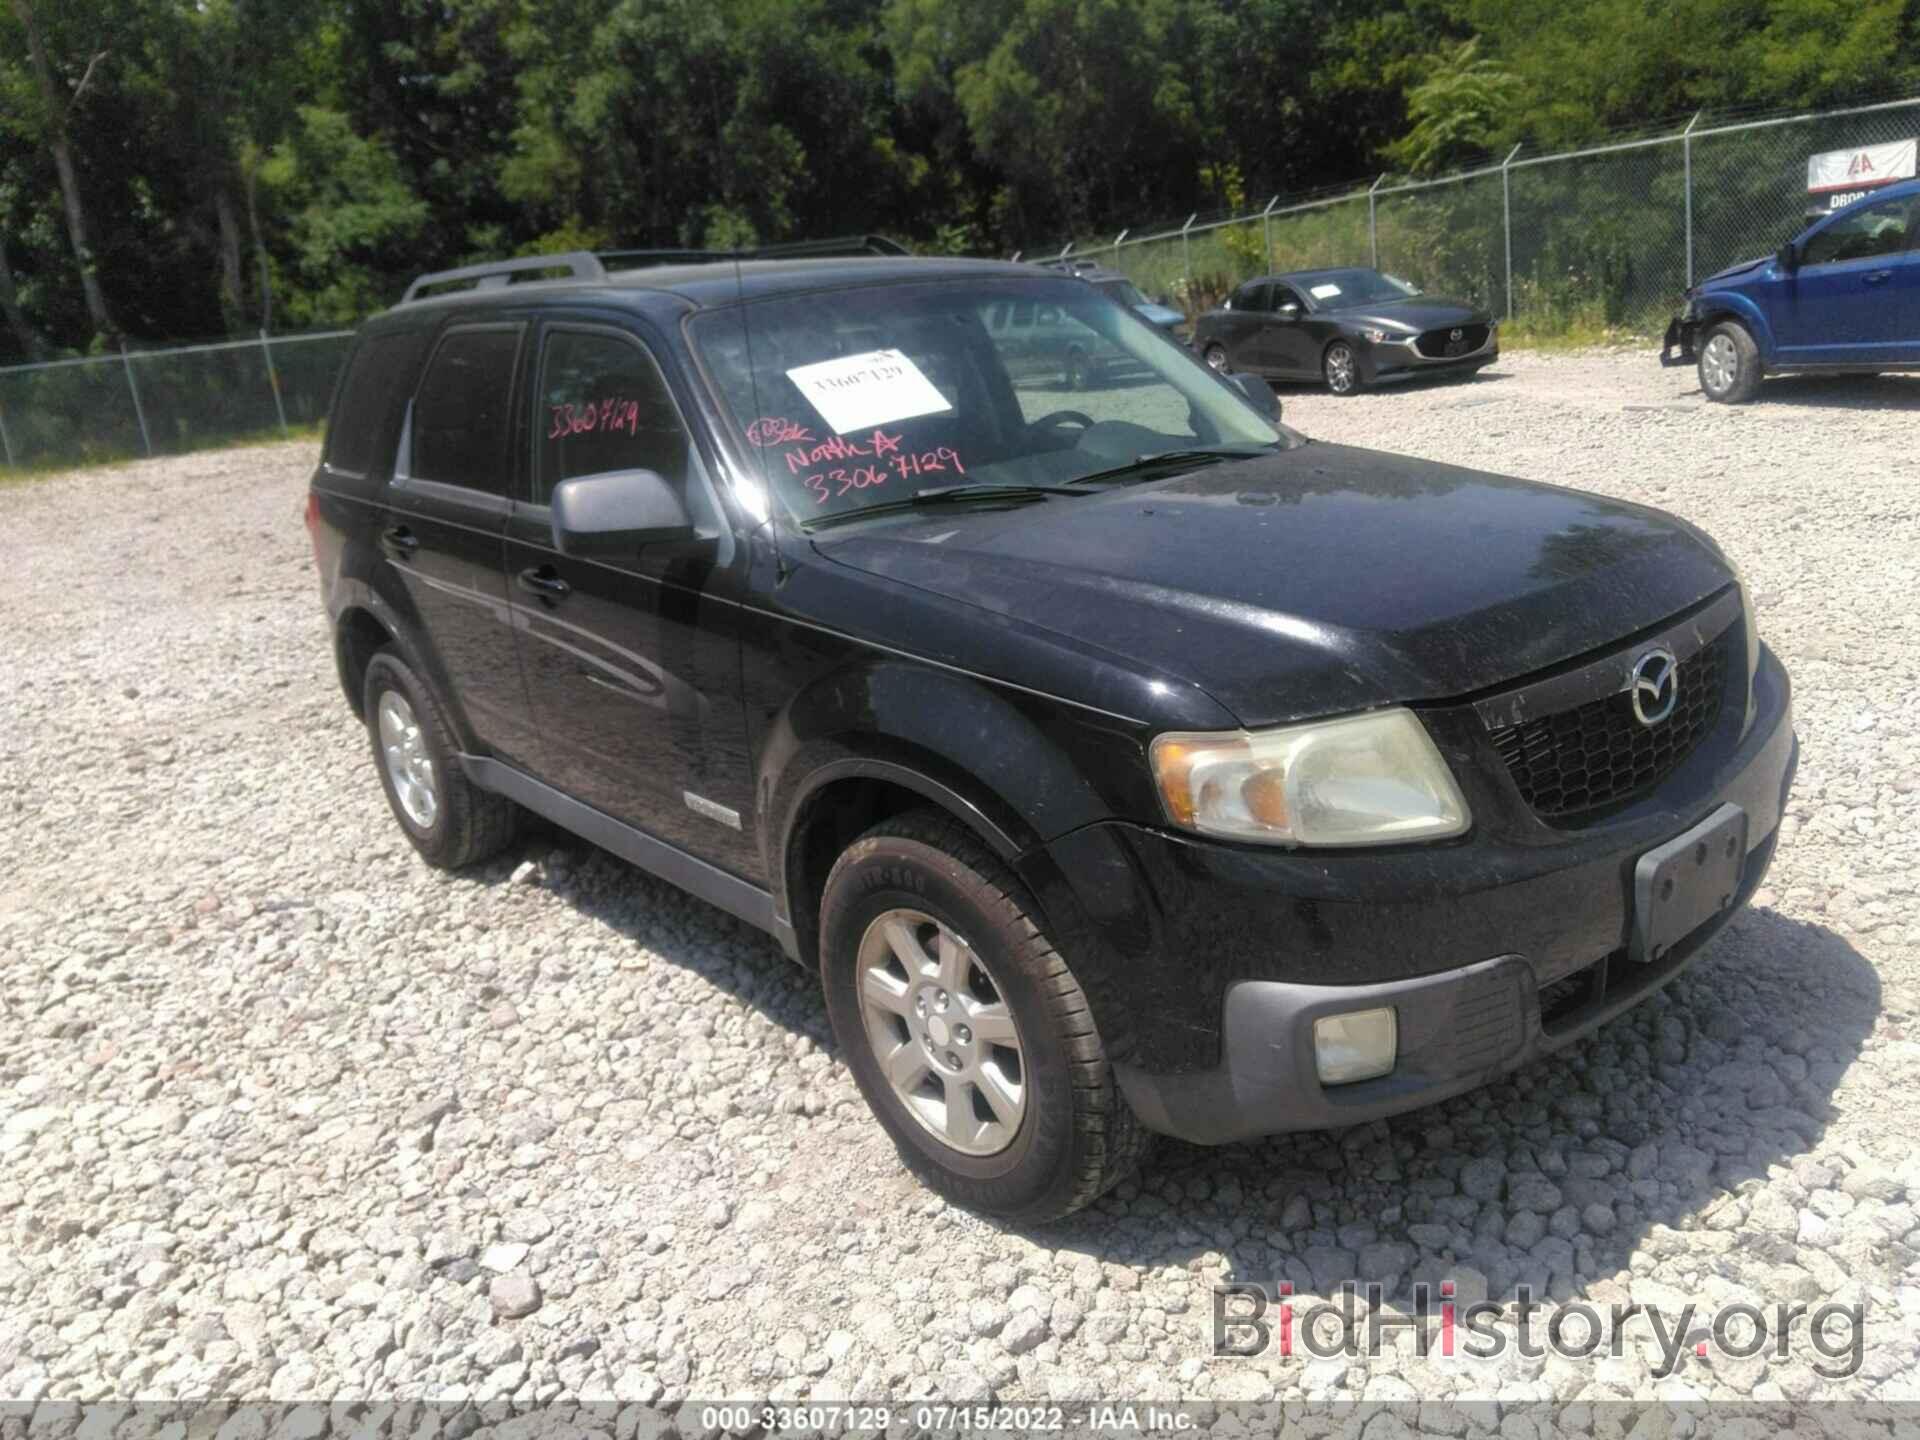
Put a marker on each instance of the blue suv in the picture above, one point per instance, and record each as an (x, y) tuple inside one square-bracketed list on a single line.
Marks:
[(1844, 296)]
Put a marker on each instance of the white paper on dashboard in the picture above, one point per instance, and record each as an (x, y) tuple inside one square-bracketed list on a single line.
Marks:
[(1325, 292), (857, 392)]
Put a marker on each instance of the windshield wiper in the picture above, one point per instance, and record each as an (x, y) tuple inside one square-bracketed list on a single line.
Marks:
[(1148, 466), (942, 495)]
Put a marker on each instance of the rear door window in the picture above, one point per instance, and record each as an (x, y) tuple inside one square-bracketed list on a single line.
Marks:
[(461, 429), (372, 395)]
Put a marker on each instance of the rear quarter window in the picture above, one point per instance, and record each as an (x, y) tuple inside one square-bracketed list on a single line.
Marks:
[(368, 405)]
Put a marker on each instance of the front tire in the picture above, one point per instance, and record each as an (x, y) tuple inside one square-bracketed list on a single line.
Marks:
[(1729, 364), (1341, 367), (451, 821), (1216, 357), (966, 1032)]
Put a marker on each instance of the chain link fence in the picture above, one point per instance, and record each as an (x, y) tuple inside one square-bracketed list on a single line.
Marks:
[(1606, 237), (163, 402)]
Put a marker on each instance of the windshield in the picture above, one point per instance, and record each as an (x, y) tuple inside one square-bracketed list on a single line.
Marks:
[(861, 398), (1343, 289), (1123, 292), (858, 398)]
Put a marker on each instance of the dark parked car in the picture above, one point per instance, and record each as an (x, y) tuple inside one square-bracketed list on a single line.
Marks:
[(1041, 344), (1117, 287), (1137, 766), (1842, 296), (1349, 328)]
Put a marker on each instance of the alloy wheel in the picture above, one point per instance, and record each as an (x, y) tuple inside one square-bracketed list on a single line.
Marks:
[(409, 766), (942, 1032), (1340, 369)]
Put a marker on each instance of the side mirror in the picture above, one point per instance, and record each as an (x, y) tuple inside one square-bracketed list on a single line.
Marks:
[(1788, 257), (1289, 311), (617, 513), (1259, 395)]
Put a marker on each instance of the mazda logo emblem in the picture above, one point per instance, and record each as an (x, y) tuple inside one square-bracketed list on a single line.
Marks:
[(1456, 334), (1654, 685)]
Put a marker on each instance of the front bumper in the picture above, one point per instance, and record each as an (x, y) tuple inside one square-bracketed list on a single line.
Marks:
[(1394, 360), (1677, 346), (1235, 951)]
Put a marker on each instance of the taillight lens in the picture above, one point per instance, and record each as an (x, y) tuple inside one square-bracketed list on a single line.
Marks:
[(313, 526)]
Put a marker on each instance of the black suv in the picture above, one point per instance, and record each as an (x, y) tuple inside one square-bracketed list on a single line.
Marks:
[(1124, 761)]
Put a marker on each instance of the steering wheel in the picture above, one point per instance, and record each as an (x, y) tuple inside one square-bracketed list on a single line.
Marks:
[(1059, 417)]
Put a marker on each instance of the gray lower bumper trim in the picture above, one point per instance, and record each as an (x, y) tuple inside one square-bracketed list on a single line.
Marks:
[(1458, 1029)]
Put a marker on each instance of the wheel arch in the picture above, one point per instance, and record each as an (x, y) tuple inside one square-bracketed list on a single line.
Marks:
[(840, 798), (358, 635), (1717, 308)]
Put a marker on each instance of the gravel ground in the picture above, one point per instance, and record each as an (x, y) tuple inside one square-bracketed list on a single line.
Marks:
[(284, 1113)]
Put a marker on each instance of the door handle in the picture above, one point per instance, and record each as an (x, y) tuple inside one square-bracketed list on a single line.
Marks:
[(1877, 276), (545, 583), (400, 542)]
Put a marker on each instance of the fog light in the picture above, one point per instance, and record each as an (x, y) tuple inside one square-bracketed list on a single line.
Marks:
[(1359, 1045)]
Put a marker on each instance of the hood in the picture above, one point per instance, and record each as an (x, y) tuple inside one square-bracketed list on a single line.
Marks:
[(1417, 312), (1162, 315), (1744, 267), (1314, 581)]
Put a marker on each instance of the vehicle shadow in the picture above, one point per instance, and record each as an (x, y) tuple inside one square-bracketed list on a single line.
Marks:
[(1493, 372), (1898, 393), (1674, 1114)]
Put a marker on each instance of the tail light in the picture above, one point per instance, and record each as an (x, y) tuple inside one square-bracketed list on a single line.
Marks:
[(313, 524)]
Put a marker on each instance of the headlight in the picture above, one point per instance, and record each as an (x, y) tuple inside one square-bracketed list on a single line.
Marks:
[(1378, 337), (1366, 780)]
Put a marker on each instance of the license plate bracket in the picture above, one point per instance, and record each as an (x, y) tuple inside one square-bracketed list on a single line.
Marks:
[(1679, 886)]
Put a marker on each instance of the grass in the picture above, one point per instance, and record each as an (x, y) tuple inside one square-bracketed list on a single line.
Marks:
[(1554, 335), (46, 468)]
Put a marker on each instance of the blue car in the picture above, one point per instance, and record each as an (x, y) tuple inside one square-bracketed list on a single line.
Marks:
[(1842, 297)]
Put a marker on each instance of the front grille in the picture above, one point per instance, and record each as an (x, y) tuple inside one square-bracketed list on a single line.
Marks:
[(1598, 755), (1438, 344)]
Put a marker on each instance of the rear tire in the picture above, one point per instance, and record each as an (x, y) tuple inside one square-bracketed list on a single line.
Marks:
[(1729, 364), (1216, 357), (968, 1035), (451, 821)]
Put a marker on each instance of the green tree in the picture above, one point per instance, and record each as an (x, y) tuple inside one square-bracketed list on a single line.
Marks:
[(1083, 107), (55, 42), (351, 219), (1456, 112)]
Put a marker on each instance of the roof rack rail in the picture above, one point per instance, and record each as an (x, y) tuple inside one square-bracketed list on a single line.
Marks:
[(786, 250), (840, 245), (585, 265), (580, 264)]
